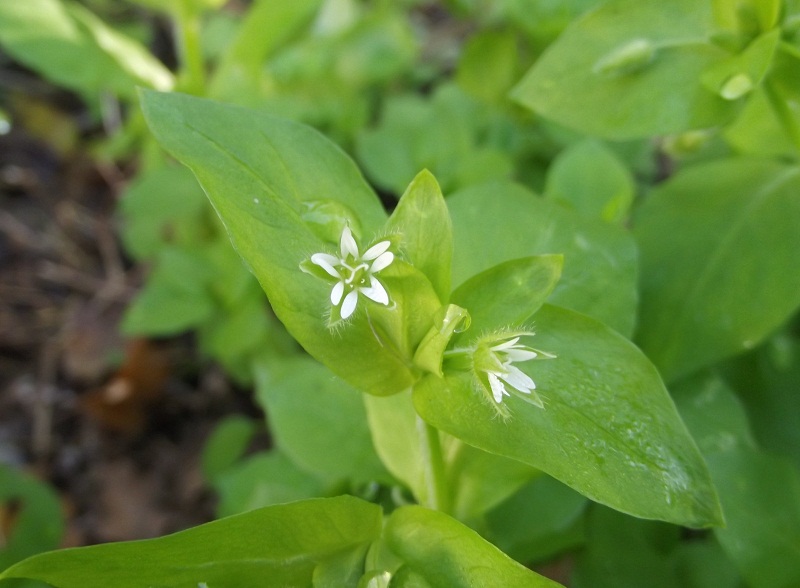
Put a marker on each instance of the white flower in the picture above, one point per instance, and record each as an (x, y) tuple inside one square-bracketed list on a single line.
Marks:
[(355, 273), (492, 361), (504, 373)]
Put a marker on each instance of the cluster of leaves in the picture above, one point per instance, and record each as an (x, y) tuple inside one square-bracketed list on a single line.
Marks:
[(698, 272)]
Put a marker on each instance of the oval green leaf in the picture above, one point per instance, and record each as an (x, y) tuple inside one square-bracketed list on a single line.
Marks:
[(719, 243), (609, 429)]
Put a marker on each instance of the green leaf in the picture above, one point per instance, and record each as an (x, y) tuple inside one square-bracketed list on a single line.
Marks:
[(394, 424), (449, 555), (620, 551), (73, 48), (39, 522), (430, 352), (636, 76), (760, 493), (506, 295), (318, 420), (501, 221), (766, 382), (273, 546), (738, 75), (262, 174), (479, 481), (716, 241), (267, 25), (542, 519), (226, 444), (133, 59), (761, 497), (263, 479), (447, 134), (488, 66), (422, 223), (590, 178), (161, 205), (175, 297), (609, 429)]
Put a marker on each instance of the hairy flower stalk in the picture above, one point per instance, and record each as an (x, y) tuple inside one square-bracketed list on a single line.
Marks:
[(354, 273)]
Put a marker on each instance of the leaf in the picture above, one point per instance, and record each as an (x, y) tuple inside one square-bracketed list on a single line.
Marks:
[(393, 424), (609, 429), (500, 221), (76, 50), (760, 493), (422, 223), (175, 297), (716, 241), (262, 174), (620, 551), (541, 520), (488, 65), (161, 205), (591, 179), (318, 420), (264, 479), (506, 295), (38, 523), (449, 555), (226, 445), (267, 25), (637, 76), (478, 480), (273, 546), (133, 59)]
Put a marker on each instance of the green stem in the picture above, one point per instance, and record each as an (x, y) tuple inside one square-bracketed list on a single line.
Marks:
[(784, 113), (187, 32), (438, 494)]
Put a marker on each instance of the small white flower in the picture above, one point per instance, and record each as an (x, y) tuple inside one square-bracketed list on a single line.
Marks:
[(504, 373), (492, 362), (355, 273)]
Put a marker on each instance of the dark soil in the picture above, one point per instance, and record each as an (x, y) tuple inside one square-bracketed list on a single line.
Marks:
[(115, 425)]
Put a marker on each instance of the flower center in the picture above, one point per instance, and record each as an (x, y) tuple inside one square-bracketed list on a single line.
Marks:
[(356, 276)]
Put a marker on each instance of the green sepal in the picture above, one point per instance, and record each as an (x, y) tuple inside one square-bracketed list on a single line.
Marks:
[(449, 320)]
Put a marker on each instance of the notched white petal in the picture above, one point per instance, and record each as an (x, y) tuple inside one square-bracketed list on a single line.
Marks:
[(505, 344), (376, 291), (384, 260), (517, 379), (517, 354), (497, 387), (337, 293), (376, 250), (348, 244), (349, 304), (326, 262)]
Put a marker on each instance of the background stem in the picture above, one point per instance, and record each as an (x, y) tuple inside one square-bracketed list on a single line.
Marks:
[(438, 493)]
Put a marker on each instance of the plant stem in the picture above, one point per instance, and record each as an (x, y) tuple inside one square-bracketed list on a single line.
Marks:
[(438, 494), (187, 32)]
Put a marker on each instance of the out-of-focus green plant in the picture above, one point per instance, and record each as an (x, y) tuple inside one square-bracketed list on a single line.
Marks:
[(424, 382)]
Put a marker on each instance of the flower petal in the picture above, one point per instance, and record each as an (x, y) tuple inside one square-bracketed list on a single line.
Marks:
[(349, 304), (505, 345), (348, 244), (337, 293), (518, 380), (376, 291), (516, 354), (376, 250), (497, 387), (326, 262), (384, 260)]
